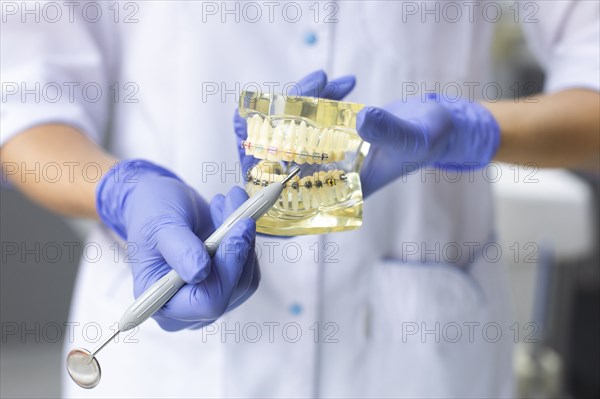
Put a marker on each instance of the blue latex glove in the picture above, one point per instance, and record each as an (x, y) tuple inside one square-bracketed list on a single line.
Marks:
[(313, 85), (405, 136), (166, 221)]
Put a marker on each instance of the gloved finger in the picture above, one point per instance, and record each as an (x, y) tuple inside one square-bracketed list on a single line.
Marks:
[(202, 225), (209, 299), (146, 272), (200, 324), (311, 85), (248, 278), (233, 200), (184, 252), (216, 209), (169, 324), (250, 290), (380, 127), (339, 88), (236, 254), (221, 207)]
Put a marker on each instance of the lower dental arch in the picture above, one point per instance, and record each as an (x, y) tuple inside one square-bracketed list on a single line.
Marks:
[(323, 188)]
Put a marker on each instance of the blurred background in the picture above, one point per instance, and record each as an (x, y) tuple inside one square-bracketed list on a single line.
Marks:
[(547, 220)]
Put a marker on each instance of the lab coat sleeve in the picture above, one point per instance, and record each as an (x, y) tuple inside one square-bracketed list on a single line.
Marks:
[(54, 71), (565, 38)]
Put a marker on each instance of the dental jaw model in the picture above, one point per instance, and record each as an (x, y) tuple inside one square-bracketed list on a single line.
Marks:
[(319, 136)]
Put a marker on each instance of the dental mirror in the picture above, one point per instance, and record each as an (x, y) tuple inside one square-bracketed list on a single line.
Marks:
[(83, 368)]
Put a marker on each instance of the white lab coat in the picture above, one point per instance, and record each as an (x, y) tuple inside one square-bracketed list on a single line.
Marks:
[(388, 300)]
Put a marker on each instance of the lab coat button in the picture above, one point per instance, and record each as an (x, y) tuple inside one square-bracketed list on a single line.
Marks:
[(310, 38), (295, 309)]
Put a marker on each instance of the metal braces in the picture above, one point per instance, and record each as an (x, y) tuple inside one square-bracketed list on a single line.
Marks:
[(296, 185), (273, 150)]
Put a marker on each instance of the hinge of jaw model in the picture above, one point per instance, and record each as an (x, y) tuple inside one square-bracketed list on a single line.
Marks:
[(320, 136)]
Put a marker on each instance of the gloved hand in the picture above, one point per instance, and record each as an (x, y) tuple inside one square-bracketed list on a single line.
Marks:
[(312, 85), (405, 136), (166, 222)]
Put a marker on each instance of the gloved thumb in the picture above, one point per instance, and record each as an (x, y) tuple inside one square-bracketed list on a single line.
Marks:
[(184, 252), (380, 127), (233, 253)]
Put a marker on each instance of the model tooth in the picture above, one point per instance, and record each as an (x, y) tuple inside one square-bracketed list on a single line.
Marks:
[(299, 155), (266, 130), (328, 146), (316, 191), (303, 196), (275, 149), (251, 131), (248, 148), (302, 130), (313, 138), (324, 189), (305, 189), (248, 141), (338, 146), (250, 127), (344, 145), (317, 140), (331, 148), (294, 189), (288, 145), (300, 151), (251, 188), (344, 190), (258, 122), (321, 146), (263, 140), (284, 200), (339, 185), (312, 199), (331, 194), (294, 194), (328, 184), (255, 173), (312, 141), (345, 141), (309, 192)]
